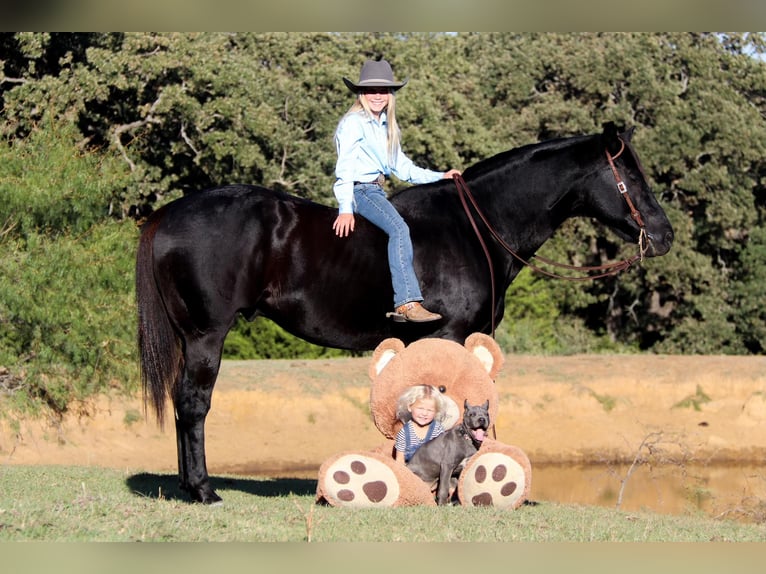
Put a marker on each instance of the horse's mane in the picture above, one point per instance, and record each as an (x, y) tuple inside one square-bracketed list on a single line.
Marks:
[(522, 153), (518, 155)]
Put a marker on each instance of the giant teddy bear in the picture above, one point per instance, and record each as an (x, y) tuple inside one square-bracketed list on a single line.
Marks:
[(497, 475)]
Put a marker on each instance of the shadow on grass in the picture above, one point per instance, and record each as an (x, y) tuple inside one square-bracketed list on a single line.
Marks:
[(166, 486)]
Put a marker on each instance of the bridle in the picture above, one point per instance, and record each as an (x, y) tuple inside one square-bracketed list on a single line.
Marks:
[(623, 189), (605, 270)]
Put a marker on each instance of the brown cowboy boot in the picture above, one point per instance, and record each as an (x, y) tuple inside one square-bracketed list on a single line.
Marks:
[(414, 312)]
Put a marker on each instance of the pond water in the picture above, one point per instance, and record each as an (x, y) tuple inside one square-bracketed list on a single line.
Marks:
[(732, 491)]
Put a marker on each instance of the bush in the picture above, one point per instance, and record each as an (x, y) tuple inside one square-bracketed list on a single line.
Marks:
[(264, 339), (50, 185), (67, 317)]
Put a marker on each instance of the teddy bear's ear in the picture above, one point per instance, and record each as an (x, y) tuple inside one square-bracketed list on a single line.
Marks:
[(384, 352), (486, 349)]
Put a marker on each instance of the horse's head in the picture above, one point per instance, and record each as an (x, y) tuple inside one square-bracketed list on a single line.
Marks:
[(622, 197)]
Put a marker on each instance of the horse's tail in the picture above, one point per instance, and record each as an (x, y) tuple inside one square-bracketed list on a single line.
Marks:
[(158, 344)]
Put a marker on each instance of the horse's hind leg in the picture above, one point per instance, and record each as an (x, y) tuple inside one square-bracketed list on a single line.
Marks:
[(192, 402)]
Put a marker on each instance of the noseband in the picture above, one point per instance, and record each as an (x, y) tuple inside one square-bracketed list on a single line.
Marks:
[(605, 270)]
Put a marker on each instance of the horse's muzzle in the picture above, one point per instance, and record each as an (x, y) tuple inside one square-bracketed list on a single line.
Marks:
[(659, 247)]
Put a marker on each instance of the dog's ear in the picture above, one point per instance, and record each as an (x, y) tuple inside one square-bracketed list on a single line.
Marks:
[(486, 404), (384, 352), (489, 353)]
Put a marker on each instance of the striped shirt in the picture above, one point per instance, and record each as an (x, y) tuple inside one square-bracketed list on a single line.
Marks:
[(407, 441)]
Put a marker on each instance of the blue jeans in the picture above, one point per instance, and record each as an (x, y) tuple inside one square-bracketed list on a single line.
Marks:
[(370, 202)]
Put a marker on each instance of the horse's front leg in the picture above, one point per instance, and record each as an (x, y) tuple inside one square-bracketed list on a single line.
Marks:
[(192, 403)]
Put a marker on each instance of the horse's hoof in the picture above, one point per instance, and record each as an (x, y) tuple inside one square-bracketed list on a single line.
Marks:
[(208, 497), (213, 500)]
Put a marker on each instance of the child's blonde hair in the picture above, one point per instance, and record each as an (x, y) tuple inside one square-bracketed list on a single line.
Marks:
[(413, 394)]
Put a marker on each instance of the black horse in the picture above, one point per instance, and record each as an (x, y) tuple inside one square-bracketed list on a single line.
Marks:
[(210, 256)]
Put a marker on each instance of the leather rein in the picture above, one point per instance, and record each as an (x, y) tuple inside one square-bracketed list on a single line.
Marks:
[(605, 270)]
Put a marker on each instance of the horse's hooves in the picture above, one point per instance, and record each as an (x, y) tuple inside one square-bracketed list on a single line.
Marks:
[(208, 497), (213, 500)]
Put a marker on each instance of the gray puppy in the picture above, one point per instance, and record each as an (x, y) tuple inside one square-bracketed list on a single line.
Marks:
[(442, 458)]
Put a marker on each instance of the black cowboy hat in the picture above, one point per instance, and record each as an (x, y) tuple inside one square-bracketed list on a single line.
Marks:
[(375, 74)]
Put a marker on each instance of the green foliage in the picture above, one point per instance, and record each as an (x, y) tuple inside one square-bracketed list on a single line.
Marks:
[(263, 339), (747, 295), (49, 184), (131, 417), (66, 314), (98, 127), (530, 314), (694, 401), (533, 324), (608, 402), (66, 275)]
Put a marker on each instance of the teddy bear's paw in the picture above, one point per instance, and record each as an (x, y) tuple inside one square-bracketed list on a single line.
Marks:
[(359, 481), (493, 479)]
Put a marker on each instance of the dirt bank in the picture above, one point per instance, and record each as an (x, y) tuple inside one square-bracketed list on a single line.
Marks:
[(274, 415)]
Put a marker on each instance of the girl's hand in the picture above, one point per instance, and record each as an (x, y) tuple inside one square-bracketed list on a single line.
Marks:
[(451, 173), (343, 224)]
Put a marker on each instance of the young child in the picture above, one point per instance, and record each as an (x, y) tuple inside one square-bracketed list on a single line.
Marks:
[(421, 409)]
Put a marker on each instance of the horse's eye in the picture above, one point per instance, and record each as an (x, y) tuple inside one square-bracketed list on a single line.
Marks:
[(442, 389)]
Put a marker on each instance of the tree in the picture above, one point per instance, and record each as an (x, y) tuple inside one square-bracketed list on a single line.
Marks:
[(694, 98), (187, 111), (66, 276)]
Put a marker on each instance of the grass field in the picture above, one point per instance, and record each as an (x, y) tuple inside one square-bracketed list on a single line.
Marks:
[(77, 504)]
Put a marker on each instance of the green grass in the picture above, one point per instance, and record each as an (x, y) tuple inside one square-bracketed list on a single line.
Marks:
[(694, 401), (79, 504), (608, 402)]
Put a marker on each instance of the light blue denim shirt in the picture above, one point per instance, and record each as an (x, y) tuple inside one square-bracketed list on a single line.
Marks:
[(362, 155)]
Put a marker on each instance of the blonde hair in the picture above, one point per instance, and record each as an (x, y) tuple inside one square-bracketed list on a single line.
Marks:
[(361, 105), (414, 394)]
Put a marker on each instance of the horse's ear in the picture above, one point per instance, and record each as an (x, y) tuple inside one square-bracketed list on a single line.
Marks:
[(611, 138), (627, 135)]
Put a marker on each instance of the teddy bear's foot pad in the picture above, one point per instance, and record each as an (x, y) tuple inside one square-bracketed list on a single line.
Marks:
[(493, 479), (361, 482)]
